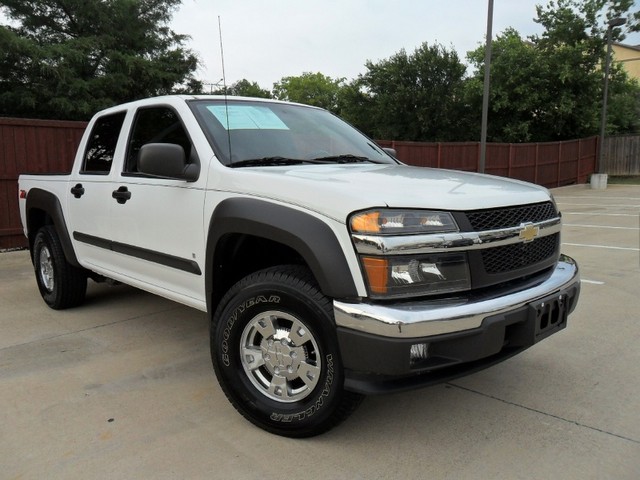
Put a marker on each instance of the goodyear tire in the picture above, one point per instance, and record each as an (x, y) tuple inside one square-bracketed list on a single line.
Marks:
[(275, 353), (61, 285)]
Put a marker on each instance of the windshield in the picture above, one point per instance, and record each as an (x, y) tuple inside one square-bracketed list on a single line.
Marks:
[(251, 133)]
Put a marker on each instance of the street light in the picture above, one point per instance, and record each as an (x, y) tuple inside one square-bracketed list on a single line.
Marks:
[(485, 94), (614, 22)]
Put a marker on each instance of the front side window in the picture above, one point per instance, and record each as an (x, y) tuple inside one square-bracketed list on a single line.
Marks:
[(155, 125), (101, 147)]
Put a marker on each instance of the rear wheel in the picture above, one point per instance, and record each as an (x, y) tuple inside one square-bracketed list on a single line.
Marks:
[(275, 353), (61, 284)]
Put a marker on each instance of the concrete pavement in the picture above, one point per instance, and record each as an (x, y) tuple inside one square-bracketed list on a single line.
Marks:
[(123, 388)]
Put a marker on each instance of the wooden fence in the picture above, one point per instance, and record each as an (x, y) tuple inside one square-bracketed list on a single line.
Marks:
[(621, 155), (40, 146), (552, 164), (34, 146)]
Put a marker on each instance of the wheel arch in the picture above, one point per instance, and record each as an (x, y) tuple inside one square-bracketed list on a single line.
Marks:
[(44, 208), (240, 225)]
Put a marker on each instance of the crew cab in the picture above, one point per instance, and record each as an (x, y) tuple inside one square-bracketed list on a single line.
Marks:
[(329, 269)]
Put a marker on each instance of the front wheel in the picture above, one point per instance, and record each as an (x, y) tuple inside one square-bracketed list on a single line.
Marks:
[(275, 353), (61, 284)]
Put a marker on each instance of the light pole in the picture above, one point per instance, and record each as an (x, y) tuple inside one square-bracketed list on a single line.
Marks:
[(485, 94), (614, 22)]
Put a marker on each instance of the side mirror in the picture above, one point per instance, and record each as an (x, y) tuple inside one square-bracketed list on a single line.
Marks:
[(167, 160), (391, 151)]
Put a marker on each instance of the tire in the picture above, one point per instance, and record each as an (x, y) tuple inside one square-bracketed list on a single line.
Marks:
[(275, 353), (61, 285)]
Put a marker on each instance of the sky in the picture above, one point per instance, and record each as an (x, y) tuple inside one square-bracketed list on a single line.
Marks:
[(264, 41)]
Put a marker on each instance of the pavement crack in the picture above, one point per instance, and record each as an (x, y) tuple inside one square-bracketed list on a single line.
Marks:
[(551, 415)]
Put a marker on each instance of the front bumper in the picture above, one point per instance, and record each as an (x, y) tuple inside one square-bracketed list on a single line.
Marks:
[(456, 336)]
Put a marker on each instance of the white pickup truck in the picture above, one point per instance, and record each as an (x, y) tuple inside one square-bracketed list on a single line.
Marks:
[(329, 269)]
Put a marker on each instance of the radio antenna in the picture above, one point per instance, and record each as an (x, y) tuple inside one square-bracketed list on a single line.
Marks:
[(224, 85)]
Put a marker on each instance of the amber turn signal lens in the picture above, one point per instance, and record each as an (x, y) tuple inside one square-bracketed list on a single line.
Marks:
[(377, 273)]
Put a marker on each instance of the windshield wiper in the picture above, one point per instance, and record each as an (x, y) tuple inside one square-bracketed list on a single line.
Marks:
[(346, 158), (275, 161), (266, 162)]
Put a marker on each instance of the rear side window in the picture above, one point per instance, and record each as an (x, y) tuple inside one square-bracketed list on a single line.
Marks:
[(101, 147), (155, 125)]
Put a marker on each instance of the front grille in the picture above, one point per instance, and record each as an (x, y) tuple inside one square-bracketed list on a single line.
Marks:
[(497, 218), (520, 255)]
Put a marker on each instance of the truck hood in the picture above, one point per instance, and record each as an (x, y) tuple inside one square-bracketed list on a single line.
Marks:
[(339, 190)]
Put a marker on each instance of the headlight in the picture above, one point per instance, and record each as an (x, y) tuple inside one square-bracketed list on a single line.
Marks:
[(393, 276), (405, 276), (402, 222)]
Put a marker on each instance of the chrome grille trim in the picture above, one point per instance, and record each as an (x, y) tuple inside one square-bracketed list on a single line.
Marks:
[(449, 242)]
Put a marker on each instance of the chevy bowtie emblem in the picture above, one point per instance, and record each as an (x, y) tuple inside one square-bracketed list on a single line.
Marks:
[(528, 232)]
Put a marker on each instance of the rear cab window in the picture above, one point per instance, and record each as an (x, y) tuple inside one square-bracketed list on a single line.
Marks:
[(101, 146)]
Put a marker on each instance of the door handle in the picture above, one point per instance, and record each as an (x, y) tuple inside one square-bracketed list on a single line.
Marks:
[(78, 190), (122, 194)]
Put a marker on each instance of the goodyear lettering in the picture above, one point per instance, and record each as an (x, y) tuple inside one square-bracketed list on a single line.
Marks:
[(231, 320)]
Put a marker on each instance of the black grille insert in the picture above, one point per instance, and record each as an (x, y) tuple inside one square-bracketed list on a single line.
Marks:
[(496, 218), (520, 255)]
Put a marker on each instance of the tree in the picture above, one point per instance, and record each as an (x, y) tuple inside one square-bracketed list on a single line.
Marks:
[(311, 89), (550, 87), (623, 111), (574, 42), (244, 88), (573, 45), (69, 58), (519, 90), (415, 96)]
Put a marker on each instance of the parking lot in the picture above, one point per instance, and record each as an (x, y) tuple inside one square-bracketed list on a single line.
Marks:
[(123, 388)]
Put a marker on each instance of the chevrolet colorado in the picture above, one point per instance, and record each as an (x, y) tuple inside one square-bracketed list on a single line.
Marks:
[(329, 269)]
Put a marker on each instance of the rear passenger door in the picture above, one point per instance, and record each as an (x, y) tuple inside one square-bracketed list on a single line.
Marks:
[(157, 224), (89, 199)]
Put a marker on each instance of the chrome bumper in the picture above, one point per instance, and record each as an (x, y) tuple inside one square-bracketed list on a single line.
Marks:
[(437, 317)]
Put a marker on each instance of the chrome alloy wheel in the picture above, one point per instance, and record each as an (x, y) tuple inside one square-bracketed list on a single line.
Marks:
[(280, 356), (46, 269)]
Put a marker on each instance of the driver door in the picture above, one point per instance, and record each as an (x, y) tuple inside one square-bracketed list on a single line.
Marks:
[(157, 225)]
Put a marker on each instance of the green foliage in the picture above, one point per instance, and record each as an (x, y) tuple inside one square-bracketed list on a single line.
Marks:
[(519, 89), (623, 110), (550, 87), (311, 89), (244, 88), (514, 63), (409, 96), (68, 58)]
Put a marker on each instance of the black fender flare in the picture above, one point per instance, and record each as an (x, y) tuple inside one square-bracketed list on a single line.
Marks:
[(309, 236), (49, 204)]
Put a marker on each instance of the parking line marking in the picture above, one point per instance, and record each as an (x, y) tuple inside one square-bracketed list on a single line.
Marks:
[(559, 199), (593, 282), (601, 214), (599, 226), (598, 205), (631, 249)]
